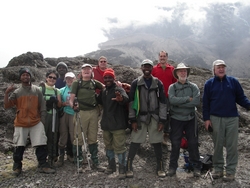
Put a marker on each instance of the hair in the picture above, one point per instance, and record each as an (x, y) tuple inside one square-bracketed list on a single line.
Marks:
[(163, 52), (50, 72), (102, 57)]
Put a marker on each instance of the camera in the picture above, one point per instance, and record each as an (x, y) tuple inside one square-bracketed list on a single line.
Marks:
[(210, 128)]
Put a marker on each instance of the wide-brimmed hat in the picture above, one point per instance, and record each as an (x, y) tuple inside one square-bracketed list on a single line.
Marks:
[(181, 66)]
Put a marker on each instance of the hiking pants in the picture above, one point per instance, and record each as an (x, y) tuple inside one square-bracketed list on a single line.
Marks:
[(115, 140), (176, 134), (225, 133)]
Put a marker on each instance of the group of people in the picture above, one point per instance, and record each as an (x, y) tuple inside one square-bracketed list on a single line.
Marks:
[(161, 103)]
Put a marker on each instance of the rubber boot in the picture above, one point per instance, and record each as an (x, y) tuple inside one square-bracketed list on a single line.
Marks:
[(122, 165), (60, 161), (18, 157), (132, 152), (111, 162), (93, 149), (158, 153)]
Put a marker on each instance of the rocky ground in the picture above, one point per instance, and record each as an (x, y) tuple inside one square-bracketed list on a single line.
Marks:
[(144, 163)]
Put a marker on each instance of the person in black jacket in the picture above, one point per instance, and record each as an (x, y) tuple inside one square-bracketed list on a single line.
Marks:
[(113, 123)]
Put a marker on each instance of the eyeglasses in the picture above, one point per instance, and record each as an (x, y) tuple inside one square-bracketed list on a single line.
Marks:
[(103, 61), (52, 77)]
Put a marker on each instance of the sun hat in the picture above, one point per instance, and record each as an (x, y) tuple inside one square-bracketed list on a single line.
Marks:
[(70, 74), (181, 66)]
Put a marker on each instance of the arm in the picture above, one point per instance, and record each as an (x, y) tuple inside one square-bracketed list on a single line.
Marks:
[(9, 102), (206, 102), (176, 101), (194, 100), (121, 96), (241, 98), (42, 106)]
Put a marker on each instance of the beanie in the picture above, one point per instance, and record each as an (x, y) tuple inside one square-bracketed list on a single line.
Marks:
[(62, 64), (24, 70), (109, 72)]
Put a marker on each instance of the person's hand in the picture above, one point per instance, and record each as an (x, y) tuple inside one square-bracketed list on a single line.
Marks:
[(118, 83), (134, 126), (160, 126), (9, 89), (118, 97), (126, 87), (207, 124)]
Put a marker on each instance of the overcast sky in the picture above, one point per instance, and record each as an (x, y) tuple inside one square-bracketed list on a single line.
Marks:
[(60, 28)]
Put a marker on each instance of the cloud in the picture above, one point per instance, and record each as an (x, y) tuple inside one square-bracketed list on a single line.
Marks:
[(61, 28)]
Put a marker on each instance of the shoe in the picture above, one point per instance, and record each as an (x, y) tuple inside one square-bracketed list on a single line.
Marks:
[(84, 161), (45, 168), (217, 174), (130, 174), (98, 167), (17, 172), (171, 172), (228, 177), (70, 159), (197, 173), (60, 161)]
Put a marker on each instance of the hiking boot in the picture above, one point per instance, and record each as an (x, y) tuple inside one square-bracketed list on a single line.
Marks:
[(122, 174), (171, 172), (60, 161), (160, 170), (217, 174), (98, 167), (129, 168), (228, 177), (84, 161), (197, 172), (70, 159), (45, 168), (111, 167), (17, 172)]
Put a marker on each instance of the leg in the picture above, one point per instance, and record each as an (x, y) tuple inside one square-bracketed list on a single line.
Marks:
[(158, 153), (108, 138), (131, 154), (41, 154)]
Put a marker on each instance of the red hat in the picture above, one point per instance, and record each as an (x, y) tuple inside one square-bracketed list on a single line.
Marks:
[(109, 72)]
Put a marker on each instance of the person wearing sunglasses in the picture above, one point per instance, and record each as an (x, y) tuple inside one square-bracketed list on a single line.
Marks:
[(52, 97), (100, 69)]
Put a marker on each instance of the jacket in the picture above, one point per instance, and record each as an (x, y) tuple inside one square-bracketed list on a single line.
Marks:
[(152, 101), (166, 76), (220, 97), (30, 105), (114, 113), (181, 108)]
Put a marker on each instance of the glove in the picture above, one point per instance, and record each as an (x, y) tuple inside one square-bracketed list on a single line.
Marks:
[(53, 99)]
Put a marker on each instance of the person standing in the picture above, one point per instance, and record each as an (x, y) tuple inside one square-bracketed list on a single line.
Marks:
[(30, 117), (164, 72), (85, 89), (98, 71), (183, 96), (66, 121), (147, 113), (113, 123), (221, 94)]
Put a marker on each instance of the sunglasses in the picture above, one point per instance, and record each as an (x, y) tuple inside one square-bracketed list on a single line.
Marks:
[(103, 61), (52, 77)]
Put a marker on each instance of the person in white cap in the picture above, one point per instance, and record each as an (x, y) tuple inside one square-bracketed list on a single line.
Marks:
[(221, 94), (84, 90), (184, 96), (66, 121)]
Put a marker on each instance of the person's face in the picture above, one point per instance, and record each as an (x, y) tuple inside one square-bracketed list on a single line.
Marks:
[(103, 63), (108, 80), (220, 70), (61, 70), (146, 69), (69, 81), (86, 72), (25, 78), (51, 79), (163, 58), (182, 74)]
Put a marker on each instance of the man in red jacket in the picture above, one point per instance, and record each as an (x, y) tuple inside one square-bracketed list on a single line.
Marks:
[(164, 72), (99, 70)]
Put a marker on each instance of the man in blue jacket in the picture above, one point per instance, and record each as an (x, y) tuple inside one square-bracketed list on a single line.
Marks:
[(221, 93)]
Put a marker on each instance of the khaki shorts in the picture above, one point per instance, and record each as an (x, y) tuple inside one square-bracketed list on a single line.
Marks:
[(36, 133)]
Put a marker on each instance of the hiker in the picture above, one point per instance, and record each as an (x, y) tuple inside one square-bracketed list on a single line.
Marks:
[(221, 93), (66, 121), (100, 68), (164, 72), (62, 69), (147, 113), (184, 96), (30, 117), (84, 90), (52, 97), (113, 123)]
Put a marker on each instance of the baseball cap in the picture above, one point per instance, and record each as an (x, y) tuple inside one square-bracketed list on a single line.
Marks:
[(147, 62), (86, 65), (219, 62), (70, 74)]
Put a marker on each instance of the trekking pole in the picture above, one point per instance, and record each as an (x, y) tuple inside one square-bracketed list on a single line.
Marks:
[(84, 141), (53, 132)]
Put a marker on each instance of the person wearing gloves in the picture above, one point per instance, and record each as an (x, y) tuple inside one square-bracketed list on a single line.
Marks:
[(30, 117), (52, 97), (221, 94), (66, 121), (147, 113), (113, 123), (183, 96)]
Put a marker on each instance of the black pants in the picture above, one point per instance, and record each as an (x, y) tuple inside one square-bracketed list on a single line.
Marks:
[(176, 134)]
